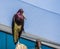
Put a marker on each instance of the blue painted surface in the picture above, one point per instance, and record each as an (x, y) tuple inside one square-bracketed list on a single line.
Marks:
[(39, 22), (2, 40), (10, 44)]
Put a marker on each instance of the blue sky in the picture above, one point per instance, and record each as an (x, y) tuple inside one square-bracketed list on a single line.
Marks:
[(51, 5), (39, 21)]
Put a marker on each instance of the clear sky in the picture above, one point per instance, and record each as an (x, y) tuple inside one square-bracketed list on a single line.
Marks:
[(51, 5), (39, 22)]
